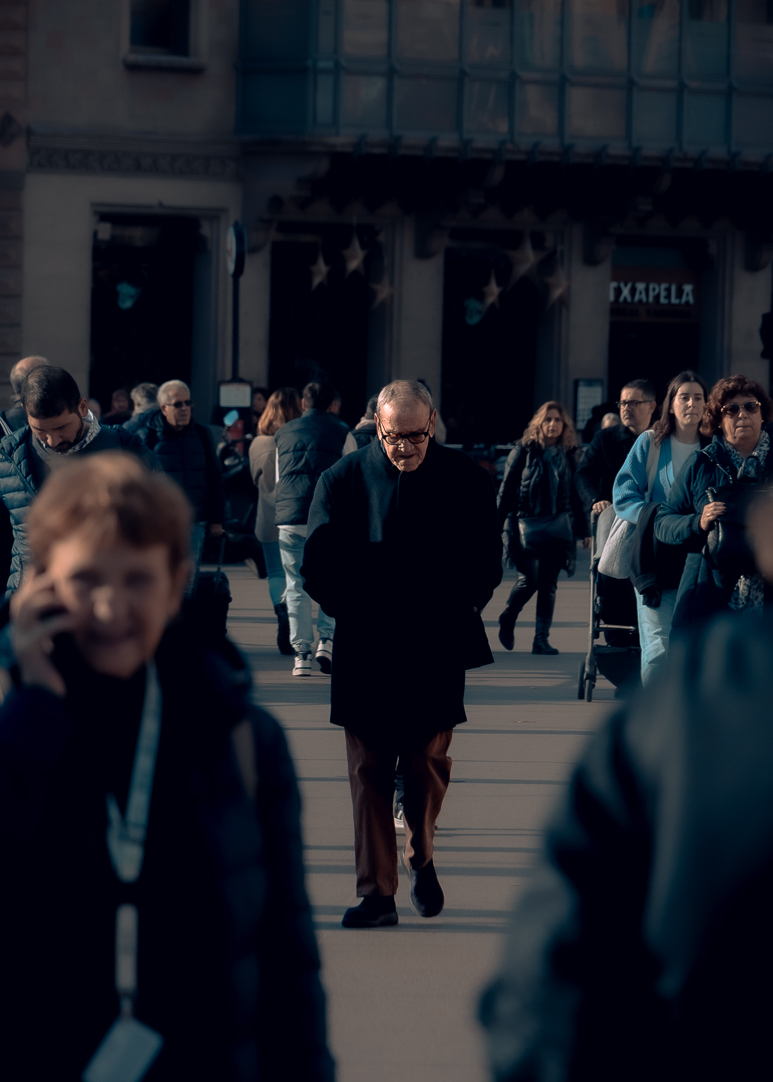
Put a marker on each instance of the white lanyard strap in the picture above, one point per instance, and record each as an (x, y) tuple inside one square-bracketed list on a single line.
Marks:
[(126, 837)]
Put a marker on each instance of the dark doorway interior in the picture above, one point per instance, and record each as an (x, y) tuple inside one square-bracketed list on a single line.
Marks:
[(489, 358), (322, 332), (141, 301), (656, 352)]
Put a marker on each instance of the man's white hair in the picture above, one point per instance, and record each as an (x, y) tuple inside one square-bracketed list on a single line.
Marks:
[(401, 392), (166, 391)]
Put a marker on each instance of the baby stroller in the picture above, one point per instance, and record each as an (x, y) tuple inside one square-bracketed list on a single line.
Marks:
[(612, 611)]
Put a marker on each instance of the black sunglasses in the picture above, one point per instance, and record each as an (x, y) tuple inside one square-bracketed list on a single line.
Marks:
[(750, 408), (180, 405)]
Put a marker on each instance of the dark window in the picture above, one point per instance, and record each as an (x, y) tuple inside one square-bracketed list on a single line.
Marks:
[(160, 26)]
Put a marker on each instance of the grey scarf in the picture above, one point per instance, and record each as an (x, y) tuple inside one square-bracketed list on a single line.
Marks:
[(52, 458)]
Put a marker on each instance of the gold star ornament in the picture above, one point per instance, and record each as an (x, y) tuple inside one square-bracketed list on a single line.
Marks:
[(319, 272), (354, 256), (491, 293), (383, 292)]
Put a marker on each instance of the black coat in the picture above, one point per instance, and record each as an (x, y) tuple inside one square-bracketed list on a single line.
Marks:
[(305, 448), (189, 458), (601, 462), (706, 586), (228, 964), (21, 475), (643, 945), (526, 492), (405, 562)]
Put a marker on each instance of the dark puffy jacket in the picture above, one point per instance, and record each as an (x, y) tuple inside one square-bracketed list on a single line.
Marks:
[(190, 459), (22, 474), (602, 461), (365, 433), (707, 585), (642, 945), (139, 423), (305, 448)]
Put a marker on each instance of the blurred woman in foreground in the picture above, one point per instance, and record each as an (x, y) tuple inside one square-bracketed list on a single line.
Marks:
[(149, 816)]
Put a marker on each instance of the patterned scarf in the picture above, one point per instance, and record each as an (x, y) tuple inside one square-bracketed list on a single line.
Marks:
[(752, 466), (749, 591), (54, 458)]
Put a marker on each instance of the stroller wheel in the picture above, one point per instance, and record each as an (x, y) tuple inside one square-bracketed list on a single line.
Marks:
[(589, 689), (581, 682)]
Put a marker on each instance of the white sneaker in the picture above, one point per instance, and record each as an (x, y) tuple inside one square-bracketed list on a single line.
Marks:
[(325, 655), (302, 666)]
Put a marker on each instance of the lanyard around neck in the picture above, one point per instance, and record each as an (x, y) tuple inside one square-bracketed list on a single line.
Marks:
[(126, 835)]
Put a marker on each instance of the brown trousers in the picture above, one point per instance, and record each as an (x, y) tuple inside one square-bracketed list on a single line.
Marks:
[(427, 772)]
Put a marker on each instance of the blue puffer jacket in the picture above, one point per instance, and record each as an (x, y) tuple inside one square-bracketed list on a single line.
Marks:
[(21, 475), (189, 458), (305, 448)]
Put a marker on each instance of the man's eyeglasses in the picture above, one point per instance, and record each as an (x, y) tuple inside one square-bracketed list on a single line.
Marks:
[(733, 408), (393, 438), (182, 404), (633, 402)]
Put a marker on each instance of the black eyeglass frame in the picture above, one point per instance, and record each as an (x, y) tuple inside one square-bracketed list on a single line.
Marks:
[(393, 438), (633, 402)]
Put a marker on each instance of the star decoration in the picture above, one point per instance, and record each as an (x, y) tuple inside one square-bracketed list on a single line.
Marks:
[(383, 292), (354, 256), (319, 272), (491, 292), (522, 259), (557, 285)]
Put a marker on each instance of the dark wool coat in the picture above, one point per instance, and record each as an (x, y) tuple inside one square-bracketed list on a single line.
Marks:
[(405, 562), (189, 458), (602, 461), (21, 475), (706, 587), (228, 968), (643, 945)]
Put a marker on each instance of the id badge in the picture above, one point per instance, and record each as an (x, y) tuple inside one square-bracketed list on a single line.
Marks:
[(125, 1054)]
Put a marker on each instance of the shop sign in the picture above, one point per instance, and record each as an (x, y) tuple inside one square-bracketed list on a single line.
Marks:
[(653, 294)]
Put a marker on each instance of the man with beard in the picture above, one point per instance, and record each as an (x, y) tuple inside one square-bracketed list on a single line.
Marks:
[(59, 423), (402, 541)]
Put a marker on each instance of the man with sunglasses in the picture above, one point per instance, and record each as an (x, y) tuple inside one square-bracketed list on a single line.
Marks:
[(404, 551), (609, 448), (187, 454)]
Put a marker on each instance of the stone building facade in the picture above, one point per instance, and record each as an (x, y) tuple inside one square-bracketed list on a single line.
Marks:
[(513, 199)]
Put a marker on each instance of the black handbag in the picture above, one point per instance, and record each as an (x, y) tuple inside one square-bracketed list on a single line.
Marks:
[(727, 540), (543, 531)]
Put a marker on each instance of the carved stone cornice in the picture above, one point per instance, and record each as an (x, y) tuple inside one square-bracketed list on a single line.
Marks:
[(58, 159)]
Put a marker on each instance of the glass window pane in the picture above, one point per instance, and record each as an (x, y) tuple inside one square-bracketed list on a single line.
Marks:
[(159, 26), (426, 105), (753, 122), (539, 33), (656, 37), (596, 113), (654, 118), (489, 30), (428, 29), (364, 101), (599, 30), (704, 120), (538, 109), (754, 39), (706, 44), (366, 27), (487, 107)]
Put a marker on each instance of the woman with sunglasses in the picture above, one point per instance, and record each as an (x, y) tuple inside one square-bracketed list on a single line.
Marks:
[(706, 509)]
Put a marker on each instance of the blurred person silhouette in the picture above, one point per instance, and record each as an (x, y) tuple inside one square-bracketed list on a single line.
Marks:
[(541, 519), (610, 420), (59, 425), (145, 399), (283, 405), (642, 946), (121, 407), (441, 432), (15, 417), (149, 815), (260, 398), (365, 431), (95, 408)]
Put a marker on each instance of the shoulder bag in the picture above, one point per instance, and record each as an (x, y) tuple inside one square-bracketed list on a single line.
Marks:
[(615, 561)]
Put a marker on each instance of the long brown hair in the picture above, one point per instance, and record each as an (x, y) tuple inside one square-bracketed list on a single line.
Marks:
[(284, 405), (533, 432), (666, 423)]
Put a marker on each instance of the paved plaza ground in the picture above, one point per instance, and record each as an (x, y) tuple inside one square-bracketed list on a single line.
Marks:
[(402, 1001)]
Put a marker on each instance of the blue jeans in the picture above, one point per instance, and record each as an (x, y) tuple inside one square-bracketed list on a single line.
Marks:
[(654, 629), (275, 571), (297, 600)]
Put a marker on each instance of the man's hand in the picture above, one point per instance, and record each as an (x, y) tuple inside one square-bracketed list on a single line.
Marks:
[(586, 542), (710, 513), (36, 617), (215, 529), (602, 505)]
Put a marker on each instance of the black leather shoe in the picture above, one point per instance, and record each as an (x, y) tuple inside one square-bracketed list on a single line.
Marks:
[(372, 912), (542, 646), (506, 632), (427, 897)]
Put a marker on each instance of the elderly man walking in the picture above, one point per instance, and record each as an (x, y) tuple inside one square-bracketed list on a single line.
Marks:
[(402, 541)]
